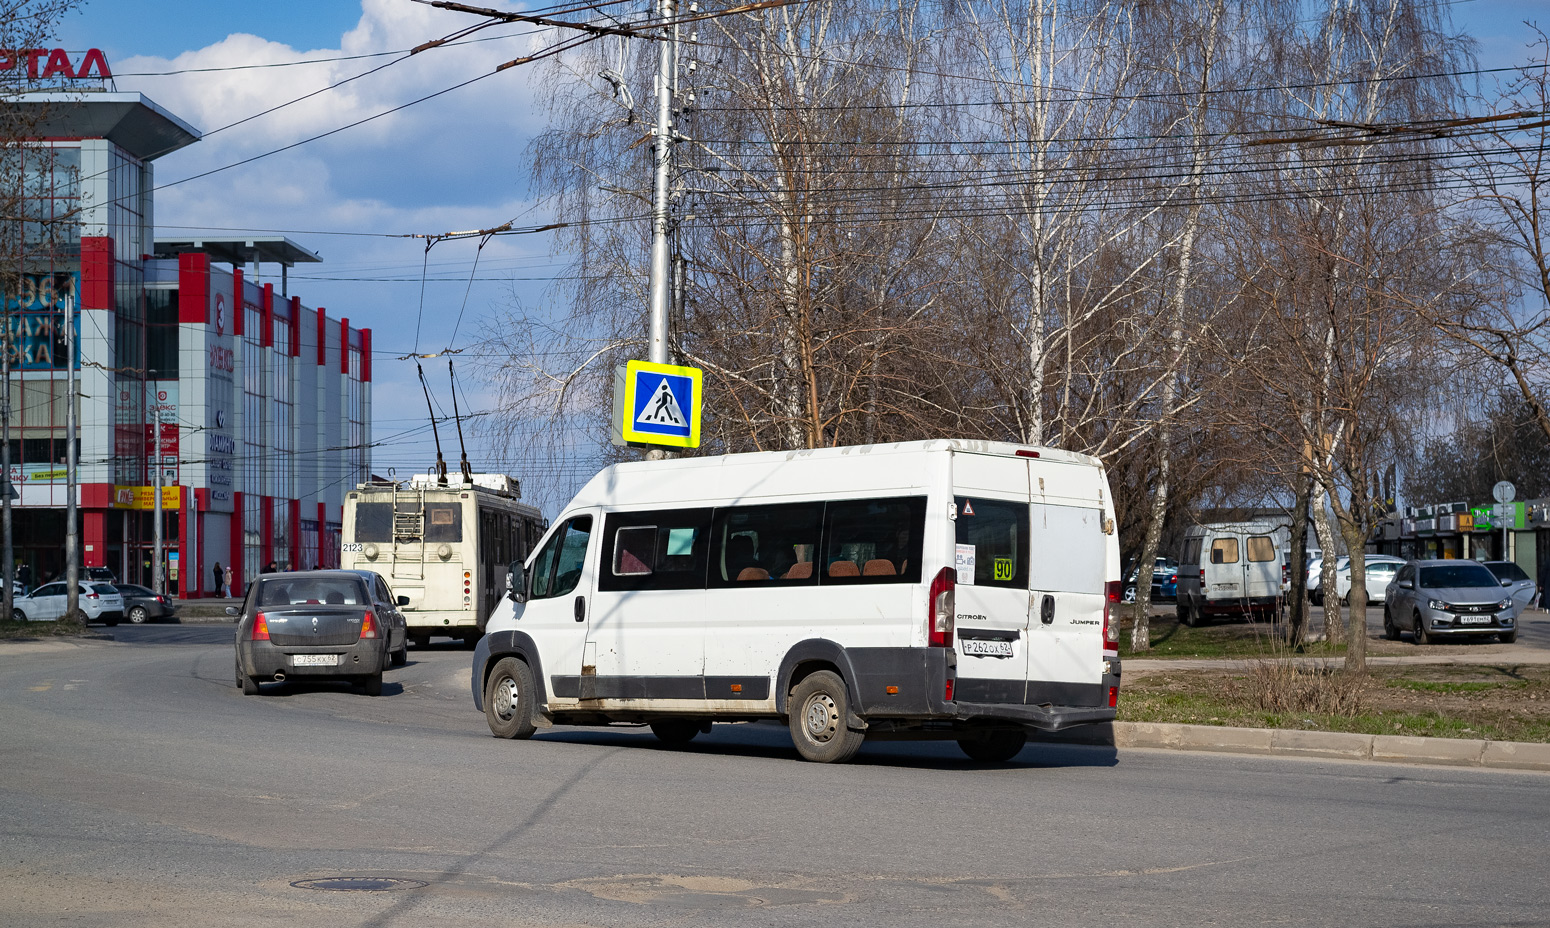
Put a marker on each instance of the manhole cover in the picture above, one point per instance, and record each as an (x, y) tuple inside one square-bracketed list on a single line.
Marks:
[(358, 884)]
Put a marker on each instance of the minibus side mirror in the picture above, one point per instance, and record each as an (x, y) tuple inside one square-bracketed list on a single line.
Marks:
[(403, 600), (516, 582)]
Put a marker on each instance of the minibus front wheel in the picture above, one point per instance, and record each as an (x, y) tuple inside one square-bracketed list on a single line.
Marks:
[(819, 708), (509, 697)]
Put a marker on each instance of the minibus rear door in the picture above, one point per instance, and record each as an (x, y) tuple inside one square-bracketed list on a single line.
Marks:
[(1066, 595), (990, 530)]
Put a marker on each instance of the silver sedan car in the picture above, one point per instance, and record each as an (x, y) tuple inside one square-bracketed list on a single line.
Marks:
[(1448, 599)]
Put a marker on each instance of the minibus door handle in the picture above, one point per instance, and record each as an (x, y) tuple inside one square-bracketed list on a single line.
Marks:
[(581, 608), (1047, 610)]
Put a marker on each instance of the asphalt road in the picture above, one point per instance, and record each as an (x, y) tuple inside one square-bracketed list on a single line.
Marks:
[(139, 787)]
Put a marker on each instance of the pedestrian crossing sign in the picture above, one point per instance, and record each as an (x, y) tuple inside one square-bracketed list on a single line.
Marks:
[(661, 405)]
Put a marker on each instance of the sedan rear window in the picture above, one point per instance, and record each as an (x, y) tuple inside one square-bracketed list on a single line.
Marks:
[(311, 591), (1461, 575)]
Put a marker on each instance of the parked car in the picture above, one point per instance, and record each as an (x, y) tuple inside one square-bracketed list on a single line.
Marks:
[(1437, 599), (142, 604), (1316, 577), (318, 624), (1378, 570), (1516, 581), (97, 602), (1229, 568), (101, 574), (1165, 581)]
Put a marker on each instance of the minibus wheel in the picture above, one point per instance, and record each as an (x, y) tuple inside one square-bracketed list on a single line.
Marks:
[(675, 732), (819, 707), (993, 746), (509, 698)]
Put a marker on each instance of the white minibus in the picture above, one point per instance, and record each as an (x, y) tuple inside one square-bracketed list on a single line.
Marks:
[(1230, 568), (938, 589)]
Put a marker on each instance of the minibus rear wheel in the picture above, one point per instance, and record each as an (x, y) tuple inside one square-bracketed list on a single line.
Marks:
[(819, 708), (508, 700), (993, 747)]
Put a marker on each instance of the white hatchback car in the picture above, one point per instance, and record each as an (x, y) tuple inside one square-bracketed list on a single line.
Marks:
[(97, 602), (1379, 570)]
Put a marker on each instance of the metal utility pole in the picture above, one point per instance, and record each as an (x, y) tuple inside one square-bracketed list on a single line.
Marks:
[(9, 553), (72, 536), (156, 538), (661, 259)]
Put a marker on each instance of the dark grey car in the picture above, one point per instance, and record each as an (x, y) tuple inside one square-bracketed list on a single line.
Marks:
[(1452, 599), (142, 604), (321, 624)]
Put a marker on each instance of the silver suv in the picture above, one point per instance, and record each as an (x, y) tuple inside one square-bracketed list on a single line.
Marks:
[(1435, 599)]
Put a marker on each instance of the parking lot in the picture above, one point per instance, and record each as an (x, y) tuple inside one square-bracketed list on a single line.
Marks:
[(141, 788)]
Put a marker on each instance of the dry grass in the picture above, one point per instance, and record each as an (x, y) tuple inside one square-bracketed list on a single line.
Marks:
[(1282, 686)]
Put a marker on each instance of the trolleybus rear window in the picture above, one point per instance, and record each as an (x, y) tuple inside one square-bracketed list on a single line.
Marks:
[(443, 522), (373, 522)]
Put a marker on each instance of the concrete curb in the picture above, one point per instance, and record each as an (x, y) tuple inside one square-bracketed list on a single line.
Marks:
[(1387, 749)]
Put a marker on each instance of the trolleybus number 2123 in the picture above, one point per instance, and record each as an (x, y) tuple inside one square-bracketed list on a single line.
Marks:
[(445, 547)]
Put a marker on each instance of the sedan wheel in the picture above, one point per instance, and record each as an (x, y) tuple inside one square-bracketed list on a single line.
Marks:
[(1390, 631), (18, 616), (138, 615), (1419, 632)]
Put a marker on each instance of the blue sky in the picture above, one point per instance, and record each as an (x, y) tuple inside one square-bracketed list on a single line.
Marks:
[(452, 164), (456, 163)]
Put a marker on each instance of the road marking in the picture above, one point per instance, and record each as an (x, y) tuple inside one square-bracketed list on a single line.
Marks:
[(42, 687)]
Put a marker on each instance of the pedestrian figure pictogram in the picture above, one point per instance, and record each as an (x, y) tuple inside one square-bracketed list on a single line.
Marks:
[(662, 408)]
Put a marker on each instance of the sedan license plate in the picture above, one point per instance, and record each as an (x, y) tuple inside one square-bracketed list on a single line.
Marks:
[(1475, 620), (314, 660), (981, 648)]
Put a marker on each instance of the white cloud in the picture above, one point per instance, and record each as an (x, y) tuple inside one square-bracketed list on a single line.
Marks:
[(452, 163)]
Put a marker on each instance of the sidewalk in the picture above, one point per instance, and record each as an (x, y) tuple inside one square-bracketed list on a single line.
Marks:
[(1327, 745)]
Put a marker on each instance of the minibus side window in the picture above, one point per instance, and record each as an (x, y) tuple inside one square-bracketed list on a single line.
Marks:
[(873, 540), (658, 550), (765, 545), (995, 534), (1224, 551), (1192, 552), (557, 568)]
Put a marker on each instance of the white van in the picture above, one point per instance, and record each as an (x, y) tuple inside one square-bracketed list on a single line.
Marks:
[(939, 589), (1230, 568)]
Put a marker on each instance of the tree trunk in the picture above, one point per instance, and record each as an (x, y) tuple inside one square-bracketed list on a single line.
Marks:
[(1333, 629), (1297, 610)]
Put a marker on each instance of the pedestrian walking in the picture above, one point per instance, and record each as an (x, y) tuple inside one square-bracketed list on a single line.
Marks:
[(271, 568), (226, 582), (219, 573)]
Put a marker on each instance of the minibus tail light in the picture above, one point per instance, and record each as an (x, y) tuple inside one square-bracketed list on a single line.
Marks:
[(1113, 591), (940, 608)]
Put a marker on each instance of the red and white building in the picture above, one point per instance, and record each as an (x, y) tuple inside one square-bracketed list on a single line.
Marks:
[(265, 403)]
